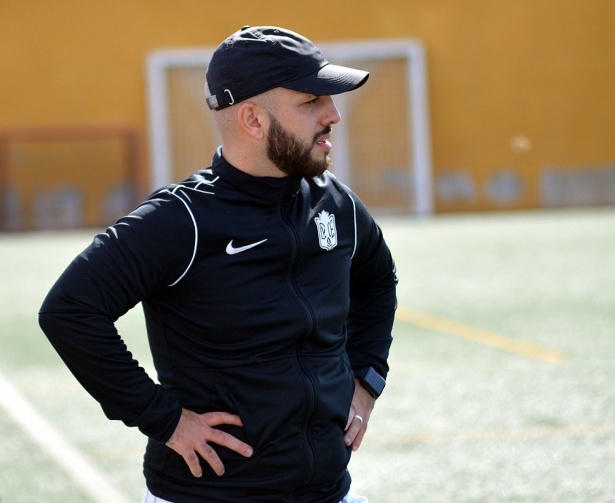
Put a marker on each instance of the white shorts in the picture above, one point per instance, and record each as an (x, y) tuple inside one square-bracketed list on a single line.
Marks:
[(351, 497)]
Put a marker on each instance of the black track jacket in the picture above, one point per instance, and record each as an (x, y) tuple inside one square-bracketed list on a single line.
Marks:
[(263, 297)]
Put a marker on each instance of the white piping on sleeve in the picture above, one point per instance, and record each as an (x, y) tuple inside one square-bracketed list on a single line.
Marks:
[(196, 238), (354, 212)]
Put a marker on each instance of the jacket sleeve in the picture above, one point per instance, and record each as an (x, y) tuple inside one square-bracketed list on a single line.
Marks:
[(373, 281), (145, 251)]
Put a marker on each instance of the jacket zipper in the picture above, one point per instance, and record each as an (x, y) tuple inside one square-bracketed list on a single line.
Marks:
[(309, 316)]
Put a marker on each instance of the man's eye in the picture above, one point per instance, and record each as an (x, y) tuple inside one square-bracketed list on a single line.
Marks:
[(312, 101)]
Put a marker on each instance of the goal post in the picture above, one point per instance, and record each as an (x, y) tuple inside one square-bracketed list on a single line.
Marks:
[(382, 146)]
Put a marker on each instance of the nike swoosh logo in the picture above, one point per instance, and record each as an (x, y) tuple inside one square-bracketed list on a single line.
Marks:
[(231, 250)]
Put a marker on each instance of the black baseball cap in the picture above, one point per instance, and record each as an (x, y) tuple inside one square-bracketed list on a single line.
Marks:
[(256, 59)]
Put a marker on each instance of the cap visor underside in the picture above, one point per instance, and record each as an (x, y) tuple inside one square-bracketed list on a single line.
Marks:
[(329, 80)]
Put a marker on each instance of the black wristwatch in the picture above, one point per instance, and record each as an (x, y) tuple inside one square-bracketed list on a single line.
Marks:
[(373, 382)]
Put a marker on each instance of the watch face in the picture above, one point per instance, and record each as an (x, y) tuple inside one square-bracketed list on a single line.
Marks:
[(373, 382)]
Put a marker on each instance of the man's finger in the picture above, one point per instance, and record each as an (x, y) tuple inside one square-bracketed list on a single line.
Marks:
[(356, 443), (229, 441), (356, 425), (218, 418), (351, 415), (209, 455), (192, 461)]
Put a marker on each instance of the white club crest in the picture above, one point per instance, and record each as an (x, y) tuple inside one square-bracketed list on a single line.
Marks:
[(327, 233)]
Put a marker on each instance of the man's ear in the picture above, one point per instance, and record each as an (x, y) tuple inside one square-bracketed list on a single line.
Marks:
[(253, 119)]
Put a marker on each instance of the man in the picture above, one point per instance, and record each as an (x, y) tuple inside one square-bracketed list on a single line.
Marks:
[(268, 292)]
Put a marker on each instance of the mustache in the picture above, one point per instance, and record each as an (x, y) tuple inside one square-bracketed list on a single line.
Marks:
[(325, 131)]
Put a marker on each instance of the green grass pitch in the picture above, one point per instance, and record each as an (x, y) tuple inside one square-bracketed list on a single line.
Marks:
[(460, 421)]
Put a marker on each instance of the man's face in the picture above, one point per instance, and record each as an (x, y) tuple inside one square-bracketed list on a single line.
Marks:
[(295, 157), (297, 141)]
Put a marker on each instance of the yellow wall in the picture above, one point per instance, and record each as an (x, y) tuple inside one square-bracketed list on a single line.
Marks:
[(537, 70)]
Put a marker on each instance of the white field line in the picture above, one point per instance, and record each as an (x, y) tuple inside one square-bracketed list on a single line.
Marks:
[(81, 470)]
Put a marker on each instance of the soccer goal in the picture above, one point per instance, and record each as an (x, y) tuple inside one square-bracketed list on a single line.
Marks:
[(68, 177), (381, 147)]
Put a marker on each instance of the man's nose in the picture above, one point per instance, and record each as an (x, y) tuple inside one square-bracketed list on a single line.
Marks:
[(332, 114)]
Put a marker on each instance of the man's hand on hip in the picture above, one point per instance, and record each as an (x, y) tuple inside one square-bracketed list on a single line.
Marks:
[(195, 432), (358, 417)]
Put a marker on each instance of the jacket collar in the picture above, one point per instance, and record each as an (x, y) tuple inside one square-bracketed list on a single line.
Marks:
[(266, 188)]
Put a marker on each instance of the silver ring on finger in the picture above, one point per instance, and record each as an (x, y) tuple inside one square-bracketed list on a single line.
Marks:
[(356, 416)]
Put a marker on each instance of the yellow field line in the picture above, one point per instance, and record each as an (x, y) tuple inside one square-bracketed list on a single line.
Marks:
[(479, 335)]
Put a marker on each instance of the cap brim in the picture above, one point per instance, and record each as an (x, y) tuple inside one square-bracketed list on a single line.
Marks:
[(329, 80)]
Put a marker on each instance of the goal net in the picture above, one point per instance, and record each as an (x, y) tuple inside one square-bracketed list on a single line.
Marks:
[(381, 147), (59, 177)]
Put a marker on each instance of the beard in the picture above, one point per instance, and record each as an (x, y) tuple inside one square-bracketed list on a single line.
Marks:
[(293, 157)]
